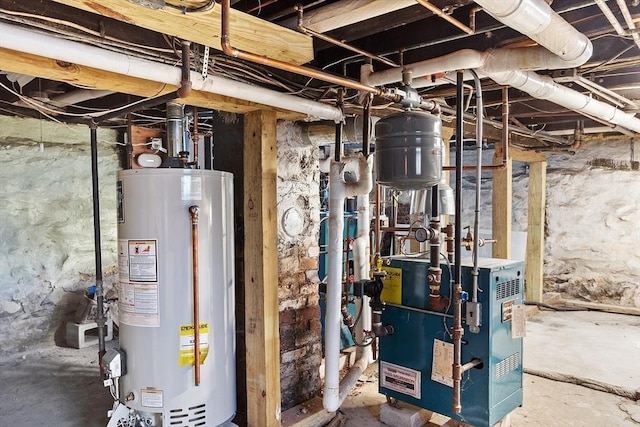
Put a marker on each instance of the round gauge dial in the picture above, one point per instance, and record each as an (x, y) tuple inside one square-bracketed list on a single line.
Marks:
[(421, 234)]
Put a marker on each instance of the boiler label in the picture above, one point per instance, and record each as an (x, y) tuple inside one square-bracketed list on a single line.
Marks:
[(442, 368), (186, 356), (392, 290), (398, 378)]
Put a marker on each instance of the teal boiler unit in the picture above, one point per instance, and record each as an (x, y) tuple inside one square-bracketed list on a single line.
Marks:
[(415, 361)]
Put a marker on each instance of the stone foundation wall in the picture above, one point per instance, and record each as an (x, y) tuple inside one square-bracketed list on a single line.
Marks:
[(46, 232), (298, 225)]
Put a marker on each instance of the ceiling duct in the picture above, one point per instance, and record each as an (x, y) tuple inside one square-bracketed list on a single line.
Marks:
[(565, 47)]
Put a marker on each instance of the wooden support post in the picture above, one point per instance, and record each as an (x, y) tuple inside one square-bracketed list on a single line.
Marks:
[(261, 270), (535, 231), (502, 206)]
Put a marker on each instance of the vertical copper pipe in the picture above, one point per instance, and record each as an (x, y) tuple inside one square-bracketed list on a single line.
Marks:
[(505, 124), (194, 211), (457, 330), (377, 225)]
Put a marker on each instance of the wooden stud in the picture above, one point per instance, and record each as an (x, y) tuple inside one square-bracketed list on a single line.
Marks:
[(37, 66), (248, 33), (535, 232), (261, 270), (502, 206)]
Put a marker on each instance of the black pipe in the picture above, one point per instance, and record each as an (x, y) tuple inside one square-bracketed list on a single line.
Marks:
[(366, 127), (339, 125), (459, 149), (100, 319)]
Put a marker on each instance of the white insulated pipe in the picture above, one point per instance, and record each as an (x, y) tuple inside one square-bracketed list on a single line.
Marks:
[(514, 67), (362, 263), (339, 189), (543, 87), (536, 19), (40, 44)]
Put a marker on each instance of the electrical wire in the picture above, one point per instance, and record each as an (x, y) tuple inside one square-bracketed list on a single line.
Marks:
[(204, 8)]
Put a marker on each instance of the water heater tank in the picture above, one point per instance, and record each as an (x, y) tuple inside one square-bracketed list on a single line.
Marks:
[(156, 296), (409, 150)]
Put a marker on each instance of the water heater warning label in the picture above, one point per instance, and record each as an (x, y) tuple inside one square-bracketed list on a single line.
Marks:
[(400, 379), (186, 356), (138, 288)]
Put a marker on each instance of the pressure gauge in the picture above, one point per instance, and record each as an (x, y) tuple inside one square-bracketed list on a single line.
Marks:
[(421, 234)]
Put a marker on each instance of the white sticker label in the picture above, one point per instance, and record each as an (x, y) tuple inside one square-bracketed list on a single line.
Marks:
[(442, 366), (152, 398), (519, 321), (400, 379), (123, 260), (143, 261), (191, 188), (138, 304)]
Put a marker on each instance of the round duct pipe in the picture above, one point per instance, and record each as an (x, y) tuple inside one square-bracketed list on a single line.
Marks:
[(409, 150), (175, 129), (323, 133)]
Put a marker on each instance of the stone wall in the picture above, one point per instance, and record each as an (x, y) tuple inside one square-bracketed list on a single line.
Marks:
[(298, 224), (46, 232), (592, 219)]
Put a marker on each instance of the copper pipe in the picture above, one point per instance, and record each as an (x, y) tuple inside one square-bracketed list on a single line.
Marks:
[(261, 5), (457, 333), (472, 17), (439, 12), (194, 211), (225, 42), (449, 240), (337, 42), (377, 225)]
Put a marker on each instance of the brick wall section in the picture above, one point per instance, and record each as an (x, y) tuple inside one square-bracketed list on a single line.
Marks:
[(300, 331)]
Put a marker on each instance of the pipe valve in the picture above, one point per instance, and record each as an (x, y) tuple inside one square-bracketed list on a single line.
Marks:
[(373, 289)]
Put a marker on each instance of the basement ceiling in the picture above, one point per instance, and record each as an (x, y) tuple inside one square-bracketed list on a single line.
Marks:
[(407, 35)]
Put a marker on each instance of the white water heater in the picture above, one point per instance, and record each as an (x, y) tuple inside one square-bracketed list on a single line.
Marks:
[(176, 269)]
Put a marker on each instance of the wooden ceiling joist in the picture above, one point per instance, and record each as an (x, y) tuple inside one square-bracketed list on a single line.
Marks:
[(36, 66), (247, 32)]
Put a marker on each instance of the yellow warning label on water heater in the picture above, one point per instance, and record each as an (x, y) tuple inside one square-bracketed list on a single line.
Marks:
[(392, 291), (186, 355)]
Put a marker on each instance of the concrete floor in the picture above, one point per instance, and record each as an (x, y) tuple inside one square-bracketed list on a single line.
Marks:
[(60, 386)]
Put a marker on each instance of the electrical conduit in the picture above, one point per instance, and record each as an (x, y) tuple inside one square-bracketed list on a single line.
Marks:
[(334, 391)]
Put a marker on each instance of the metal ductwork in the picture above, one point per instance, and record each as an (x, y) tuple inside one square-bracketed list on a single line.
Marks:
[(175, 129)]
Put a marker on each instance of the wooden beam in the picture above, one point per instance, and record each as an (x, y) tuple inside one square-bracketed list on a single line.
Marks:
[(502, 206), (37, 66), (535, 231), (261, 270), (521, 155), (247, 32)]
